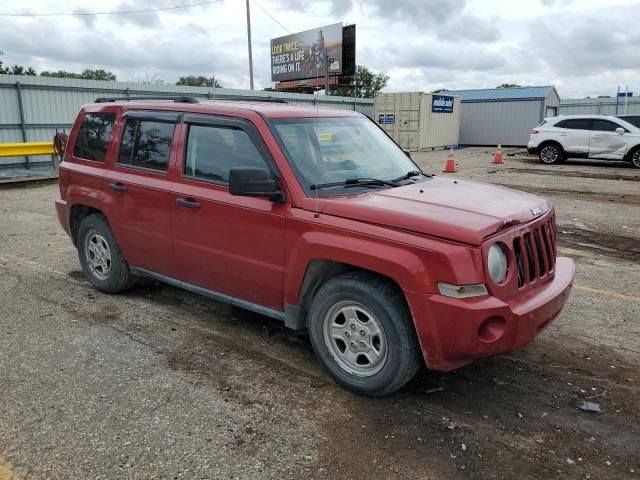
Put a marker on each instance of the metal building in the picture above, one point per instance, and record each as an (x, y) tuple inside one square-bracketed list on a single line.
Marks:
[(504, 115), (418, 120)]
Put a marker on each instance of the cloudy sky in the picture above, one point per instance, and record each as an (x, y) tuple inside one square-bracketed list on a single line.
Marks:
[(584, 47)]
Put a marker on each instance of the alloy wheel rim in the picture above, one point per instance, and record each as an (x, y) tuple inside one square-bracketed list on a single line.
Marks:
[(355, 338), (98, 255), (549, 154), (636, 158)]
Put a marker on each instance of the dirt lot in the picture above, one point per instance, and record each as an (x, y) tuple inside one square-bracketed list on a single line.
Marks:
[(159, 383)]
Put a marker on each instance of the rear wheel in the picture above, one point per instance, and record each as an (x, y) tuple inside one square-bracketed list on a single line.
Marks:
[(361, 330), (100, 256), (550, 154), (634, 156)]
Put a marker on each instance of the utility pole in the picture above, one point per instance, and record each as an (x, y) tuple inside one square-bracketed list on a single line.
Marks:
[(249, 43)]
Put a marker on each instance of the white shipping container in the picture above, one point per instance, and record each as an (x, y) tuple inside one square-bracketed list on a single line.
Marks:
[(419, 120)]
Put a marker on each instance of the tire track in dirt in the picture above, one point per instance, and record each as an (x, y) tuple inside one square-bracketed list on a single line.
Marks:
[(618, 246), (595, 197), (575, 174)]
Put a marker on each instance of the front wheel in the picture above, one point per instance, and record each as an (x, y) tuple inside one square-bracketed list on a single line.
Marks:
[(551, 154), (362, 332)]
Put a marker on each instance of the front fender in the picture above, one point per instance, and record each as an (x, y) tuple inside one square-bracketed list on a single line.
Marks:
[(378, 249)]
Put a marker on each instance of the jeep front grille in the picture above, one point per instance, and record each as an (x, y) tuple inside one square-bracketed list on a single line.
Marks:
[(535, 252)]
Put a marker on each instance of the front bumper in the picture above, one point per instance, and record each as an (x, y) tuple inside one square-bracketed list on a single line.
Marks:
[(454, 332)]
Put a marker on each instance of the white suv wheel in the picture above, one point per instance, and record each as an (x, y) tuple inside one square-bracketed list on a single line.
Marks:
[(550, 154)]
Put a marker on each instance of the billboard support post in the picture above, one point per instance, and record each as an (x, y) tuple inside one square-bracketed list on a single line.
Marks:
[(326, 75), (249, 45)]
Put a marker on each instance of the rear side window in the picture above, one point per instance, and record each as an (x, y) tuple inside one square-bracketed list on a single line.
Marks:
[(146, 144), (604, 126), (93, 136), (575, 124), (212, 151)]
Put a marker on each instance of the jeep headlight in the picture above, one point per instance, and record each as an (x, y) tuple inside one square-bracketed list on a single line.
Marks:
[(497, 263)]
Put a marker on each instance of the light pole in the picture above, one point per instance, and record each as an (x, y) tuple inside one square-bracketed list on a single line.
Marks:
[(249, 44)]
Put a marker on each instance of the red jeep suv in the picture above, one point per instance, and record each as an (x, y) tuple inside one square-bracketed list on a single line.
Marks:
[(316, 218)]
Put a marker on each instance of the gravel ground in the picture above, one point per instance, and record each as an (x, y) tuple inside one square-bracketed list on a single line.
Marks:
[(161, 383)]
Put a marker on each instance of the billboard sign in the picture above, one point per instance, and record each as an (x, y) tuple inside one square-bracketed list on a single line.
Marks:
[(441, 104), (305, 55)]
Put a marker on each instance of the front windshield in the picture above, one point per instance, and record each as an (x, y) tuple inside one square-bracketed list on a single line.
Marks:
[(334, 150)]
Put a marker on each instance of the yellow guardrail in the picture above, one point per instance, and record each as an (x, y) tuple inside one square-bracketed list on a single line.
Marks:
[(26, 149)]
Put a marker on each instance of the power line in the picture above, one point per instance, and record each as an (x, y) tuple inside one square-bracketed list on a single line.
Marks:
[(124, 12), (271, 16)]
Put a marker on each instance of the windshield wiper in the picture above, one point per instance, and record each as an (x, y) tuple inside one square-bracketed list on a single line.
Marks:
[(408, 175), (354, 182)]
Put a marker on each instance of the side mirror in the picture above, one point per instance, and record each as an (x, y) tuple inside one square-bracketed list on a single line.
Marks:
[(407, 152), (254, 182), (619, 130)]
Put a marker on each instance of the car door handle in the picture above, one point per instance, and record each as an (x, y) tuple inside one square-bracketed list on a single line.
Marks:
[(118, 187), (187, 202)]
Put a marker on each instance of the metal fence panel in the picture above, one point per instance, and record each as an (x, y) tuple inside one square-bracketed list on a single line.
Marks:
[(599, 106), (9, 109)]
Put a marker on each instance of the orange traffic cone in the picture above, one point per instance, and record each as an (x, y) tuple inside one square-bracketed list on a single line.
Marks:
[(497, 157), (450, 166)]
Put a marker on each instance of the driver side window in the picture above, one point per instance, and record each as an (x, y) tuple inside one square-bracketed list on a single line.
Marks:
[(213, 150), (604, 126)]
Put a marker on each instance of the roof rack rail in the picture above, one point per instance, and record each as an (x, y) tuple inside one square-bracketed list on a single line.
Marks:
[(249, 98), (177, 99)]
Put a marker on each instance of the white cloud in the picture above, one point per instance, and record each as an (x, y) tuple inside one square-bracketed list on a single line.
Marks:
[(582, 47)]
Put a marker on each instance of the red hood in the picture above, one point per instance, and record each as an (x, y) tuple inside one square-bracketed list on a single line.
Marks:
[(458, 210)]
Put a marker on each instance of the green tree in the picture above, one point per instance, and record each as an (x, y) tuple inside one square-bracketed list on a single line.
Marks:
[(87, 74), (509, 85), (438, 90), (365, 82), (199, 81), (60, 74), (99, 74), (17, 70)]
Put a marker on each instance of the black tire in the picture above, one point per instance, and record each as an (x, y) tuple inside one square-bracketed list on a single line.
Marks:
[(116, 277), (634, 157), (385, 302), (551, 153)]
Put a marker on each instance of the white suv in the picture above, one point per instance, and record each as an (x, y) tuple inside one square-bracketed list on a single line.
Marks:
[(585, 136)]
